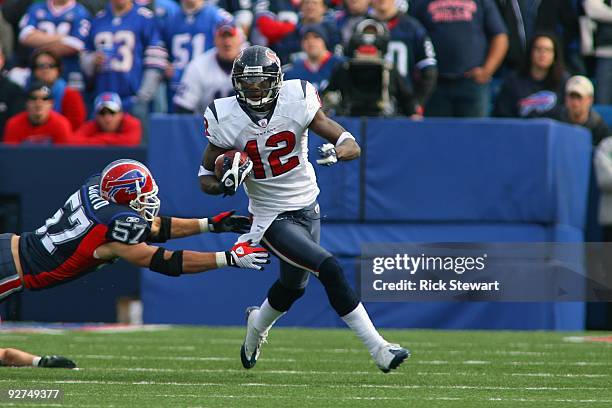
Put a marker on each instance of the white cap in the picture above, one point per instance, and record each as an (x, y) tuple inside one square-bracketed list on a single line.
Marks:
[(579, 84)]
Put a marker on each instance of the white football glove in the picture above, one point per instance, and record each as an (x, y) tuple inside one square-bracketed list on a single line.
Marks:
[(243, 255), (328, 155), (235, 175)]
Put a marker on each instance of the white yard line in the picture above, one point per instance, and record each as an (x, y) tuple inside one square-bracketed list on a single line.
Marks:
[(281, 385)]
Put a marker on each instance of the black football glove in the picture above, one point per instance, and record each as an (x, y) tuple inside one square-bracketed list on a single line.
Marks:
[(56, 362), (228, 222), (328, 155), (234, 174)]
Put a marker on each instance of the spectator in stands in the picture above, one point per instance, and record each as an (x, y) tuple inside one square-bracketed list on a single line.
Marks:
[(125, 54), (520, 19), (188, 34), (410, 50), (208, 76), (368, 85), (47, 67), (242, 10), (562, 17), (319, 62), (39, 123), (347, 18), (7, 39), (601, 12), (471, 42), (12, 97), (577, 109), (312, 12), (111, 126), (538, 88), (60, 27)]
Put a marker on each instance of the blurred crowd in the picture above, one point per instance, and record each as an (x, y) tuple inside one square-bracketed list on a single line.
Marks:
[(91, 71)]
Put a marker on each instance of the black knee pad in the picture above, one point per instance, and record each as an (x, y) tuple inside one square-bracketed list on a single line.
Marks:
[(281, 298), (340, 294)]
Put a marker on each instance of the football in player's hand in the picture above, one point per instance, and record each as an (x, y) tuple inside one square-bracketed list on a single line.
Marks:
[(224, 162)]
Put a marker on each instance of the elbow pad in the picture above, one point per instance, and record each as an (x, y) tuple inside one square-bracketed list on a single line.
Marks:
[(169, 267)]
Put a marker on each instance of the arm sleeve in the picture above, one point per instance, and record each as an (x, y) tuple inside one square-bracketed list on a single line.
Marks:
[(62, 131), (213, 131), (78, 33), (73, 108), (27, 24), (151, 79), (598, 10), (12, 135), (493, 22), (189, 92), (155, 54), (274, 30), (405, 100)]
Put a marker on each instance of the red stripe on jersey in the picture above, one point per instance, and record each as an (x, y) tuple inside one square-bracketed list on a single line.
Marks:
[(9, 286), (81, 261)]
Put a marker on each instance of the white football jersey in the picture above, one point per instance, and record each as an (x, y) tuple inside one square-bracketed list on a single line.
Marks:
[(202, 82), (282, 179)]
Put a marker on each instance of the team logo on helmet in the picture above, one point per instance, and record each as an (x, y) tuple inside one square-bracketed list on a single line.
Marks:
[(127, 183), (272, 56)]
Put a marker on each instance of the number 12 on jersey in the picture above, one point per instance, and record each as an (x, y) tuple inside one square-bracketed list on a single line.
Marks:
[(284, 142)]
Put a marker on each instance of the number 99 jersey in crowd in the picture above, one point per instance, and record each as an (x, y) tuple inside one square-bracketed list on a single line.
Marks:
[(282, 179), (64, 248)]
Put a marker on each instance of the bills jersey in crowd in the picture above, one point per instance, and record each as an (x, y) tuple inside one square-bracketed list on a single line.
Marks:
[(131, 43), (317, 76), (204, 80), (71, 21), (283, 179), (188, 35), (64, 248), (410, 48)]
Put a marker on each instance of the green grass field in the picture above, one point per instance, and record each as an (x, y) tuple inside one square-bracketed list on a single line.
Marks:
[(193, 366)]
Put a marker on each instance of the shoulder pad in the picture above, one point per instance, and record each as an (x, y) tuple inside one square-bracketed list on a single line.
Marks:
[(145, 12), (128, 228)]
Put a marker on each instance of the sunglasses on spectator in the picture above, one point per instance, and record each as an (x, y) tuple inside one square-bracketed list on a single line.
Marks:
[(39, 98), (45, 66), (105, 111)]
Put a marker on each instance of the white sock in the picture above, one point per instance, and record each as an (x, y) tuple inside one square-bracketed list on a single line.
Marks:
[(35, 361), (267, 317), (359, 321)]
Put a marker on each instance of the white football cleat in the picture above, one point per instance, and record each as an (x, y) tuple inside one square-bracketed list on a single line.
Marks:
[(389, 356), (249, 352)]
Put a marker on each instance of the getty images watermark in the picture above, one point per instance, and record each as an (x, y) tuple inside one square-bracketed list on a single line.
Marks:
[(422, 263), (530, 272)]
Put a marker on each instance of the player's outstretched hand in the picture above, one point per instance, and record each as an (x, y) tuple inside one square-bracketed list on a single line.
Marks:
[(244, 255), (56, 362), (328, 155), (234, 174), (228, 222)]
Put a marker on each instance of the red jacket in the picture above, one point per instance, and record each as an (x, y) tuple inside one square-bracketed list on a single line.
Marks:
[(56, 130), (73, 108), (129, 133)]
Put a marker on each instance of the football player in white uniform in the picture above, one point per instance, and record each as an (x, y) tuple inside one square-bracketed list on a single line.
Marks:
[(269, 119)]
